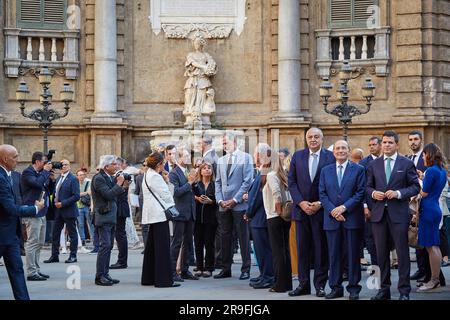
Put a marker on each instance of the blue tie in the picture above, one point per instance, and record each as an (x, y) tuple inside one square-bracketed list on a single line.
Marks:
[(315, 164), (340, 175), (10, 180)]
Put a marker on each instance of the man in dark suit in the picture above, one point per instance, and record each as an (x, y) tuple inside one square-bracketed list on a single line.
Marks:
[(304, 177), (209, 154), (256, 214), (170, 157), (375, 152), (34, 181), (342, 187), (183, 225), (17, 189), (391, 181), (10, 231), (105, 189), (66, 195)]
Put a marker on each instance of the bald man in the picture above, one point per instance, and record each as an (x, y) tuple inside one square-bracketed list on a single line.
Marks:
[(10, 229), (357, 155)]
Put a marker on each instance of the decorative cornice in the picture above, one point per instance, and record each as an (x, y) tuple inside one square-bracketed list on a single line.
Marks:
[(209, 31)]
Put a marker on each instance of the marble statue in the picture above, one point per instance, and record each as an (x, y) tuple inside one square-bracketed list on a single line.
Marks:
[(198, 92)]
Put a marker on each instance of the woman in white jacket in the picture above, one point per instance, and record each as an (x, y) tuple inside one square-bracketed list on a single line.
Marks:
[(156, 267)]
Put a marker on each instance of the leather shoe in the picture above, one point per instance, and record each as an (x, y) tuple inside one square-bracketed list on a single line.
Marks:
[(257, 279), (334, 294), (403, 297), (103, 282), (114, 281), (177, 278), (223, 274), (381, 296), (52, 259), (43, 275), (71, 260), (299, 291), (175, 285), (36, 277), (118, 266), (244, 276), (353, 296), (417, 275), (188, 276), (262, 285), (320, 293)]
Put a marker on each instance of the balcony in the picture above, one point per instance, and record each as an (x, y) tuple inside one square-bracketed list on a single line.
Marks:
[(30, 49), (364, 48)]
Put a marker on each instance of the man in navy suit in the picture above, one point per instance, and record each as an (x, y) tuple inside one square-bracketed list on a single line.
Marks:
[(34, 181), (170, 157), (391, 181), (67, 193), (342, 187), (304, 176), (256, 214), (10, 230), (183, 225), (375, 152)]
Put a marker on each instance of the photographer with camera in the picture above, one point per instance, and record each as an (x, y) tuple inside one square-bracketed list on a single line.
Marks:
[(105, 190), (65, 197), (35, 184)]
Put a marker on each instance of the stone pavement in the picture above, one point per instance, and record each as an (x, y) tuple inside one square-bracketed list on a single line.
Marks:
[(130, 288)]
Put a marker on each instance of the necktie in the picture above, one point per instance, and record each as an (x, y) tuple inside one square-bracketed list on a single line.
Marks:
[(60, 182), (388, 169), (10, 180), (314, 166), (340, 167), (230, 163), (186, 174), (413, 158)]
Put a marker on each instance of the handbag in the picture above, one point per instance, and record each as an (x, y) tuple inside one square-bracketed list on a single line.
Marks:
[(413, 229), (286, 205), (86, 199), (171, 212)]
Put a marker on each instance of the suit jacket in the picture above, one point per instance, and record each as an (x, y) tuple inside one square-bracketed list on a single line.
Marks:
[(183, 195), (212, 158), (365, 163), (350, 194), (68, 195), (32, 184), (255, 210), (17, 189), (237, 183), (104, 198), (166, 167), (420, 164), (138, 190), (403, 178), (123, 208), (301, 187), (10, 211)]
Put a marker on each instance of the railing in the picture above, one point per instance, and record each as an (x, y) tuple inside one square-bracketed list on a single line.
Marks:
[(362, 47), (28, 49)]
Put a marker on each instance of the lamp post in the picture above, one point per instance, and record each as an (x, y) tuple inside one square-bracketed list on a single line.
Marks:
[(344, 111), (44, 115)]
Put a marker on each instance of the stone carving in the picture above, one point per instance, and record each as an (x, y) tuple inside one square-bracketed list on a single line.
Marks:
[(182, 31), (198, 92)]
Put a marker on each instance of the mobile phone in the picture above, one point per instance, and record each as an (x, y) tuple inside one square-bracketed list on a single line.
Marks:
[(41, 196)]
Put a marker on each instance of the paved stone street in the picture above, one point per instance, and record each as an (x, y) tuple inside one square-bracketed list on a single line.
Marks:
[(130, 288)]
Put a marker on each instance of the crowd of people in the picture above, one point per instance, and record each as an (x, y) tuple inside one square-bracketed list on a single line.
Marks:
[(317, 209)]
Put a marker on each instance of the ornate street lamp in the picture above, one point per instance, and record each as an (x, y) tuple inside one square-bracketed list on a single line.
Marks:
[(344, 111), (44, 115)]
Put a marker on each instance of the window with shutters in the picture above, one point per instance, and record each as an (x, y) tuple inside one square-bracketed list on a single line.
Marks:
[(351, 13), (41, 14)]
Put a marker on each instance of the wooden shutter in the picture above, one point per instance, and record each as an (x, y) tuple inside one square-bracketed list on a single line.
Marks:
[(54, 11), (340, 12), (360, 11), (30, 11)]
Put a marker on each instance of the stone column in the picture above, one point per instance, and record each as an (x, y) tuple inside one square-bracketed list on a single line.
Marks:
[(105, 68), (288, 59)]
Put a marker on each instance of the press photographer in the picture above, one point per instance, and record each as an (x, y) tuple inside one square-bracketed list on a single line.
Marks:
[(105, 189)]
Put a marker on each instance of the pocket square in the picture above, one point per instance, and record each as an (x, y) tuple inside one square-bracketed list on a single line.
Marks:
[(400, 171)]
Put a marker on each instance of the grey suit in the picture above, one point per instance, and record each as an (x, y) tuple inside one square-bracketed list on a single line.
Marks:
[(233, 186), (211, 157)]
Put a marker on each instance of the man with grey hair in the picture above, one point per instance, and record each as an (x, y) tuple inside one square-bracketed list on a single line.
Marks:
[(105, 190), (209, 154)]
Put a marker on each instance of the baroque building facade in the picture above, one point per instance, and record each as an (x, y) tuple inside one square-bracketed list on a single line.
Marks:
[(125, 61)]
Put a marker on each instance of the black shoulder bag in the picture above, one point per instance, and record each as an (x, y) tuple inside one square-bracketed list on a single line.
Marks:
[(171, 212)]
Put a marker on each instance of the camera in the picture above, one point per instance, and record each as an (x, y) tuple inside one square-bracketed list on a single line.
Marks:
[(55, 165), (126, 176)]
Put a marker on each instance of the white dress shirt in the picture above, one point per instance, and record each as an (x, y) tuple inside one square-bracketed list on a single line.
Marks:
[(311, 158), (416, 158), (393, 159), (344, 166)]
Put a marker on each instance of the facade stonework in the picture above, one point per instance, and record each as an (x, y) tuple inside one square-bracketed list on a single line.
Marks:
[(412, 85)]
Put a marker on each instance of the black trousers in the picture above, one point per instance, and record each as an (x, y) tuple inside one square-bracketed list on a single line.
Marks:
[(14, 268), (182, 240), (279, 243), (311, 238), (145, 228), (204, 237), (71, 225), (398, 232), (228, 219), (156, 268), (121, 239), (106, 237)]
